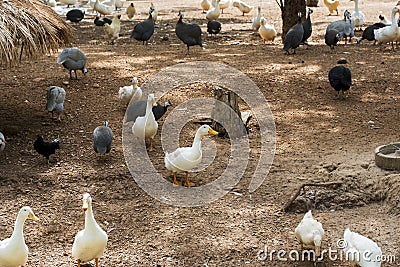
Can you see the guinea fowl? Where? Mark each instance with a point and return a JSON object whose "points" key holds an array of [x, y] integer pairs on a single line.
{"points": [[345, 26], [138, 109], [340, 79], [73, 59], [332, 38], [307, 27], [144, 30], [189, 33], [102, 139], [2, 142], [55, 100], [368, 33], [101, 22], [294, 36], [46, 148], [213, 27], [75, 15]]}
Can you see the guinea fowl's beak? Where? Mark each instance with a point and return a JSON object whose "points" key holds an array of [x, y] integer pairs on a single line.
{"points": [[85, 205], [33, 216], [211, 131]]}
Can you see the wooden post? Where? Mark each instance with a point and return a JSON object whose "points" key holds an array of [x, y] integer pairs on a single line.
{"points": [[220, 114]]}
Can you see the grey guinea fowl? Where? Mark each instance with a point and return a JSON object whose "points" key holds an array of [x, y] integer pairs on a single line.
{"points": [[102, 139], [2, 141], [138, 109], [307, 27], [332, 38], [73, 59], [213, 27], [340, 79], [345, 26], [294, 36], [75, 15], [144, 30], [55, 100], [189, 33]]}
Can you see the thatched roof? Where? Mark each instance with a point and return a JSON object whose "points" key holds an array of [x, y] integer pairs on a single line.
{"points": [[31, 26]]}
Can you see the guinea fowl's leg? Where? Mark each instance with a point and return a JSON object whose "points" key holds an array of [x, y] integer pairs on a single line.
{"points": [[70, 74], [76, 75]]}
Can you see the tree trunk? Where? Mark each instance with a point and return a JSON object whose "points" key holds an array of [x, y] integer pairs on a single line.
{"points": [[289, 9]]}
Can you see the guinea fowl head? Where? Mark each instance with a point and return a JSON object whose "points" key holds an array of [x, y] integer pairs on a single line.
{"points": [[299, 16], [180, 14], [84, 71], [310, 11]]}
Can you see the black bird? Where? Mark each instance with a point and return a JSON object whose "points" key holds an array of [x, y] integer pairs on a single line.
{"points": [[340, 79], [213, 27], [294, 36], [46, 148], [188, 33], [145, 29], [332, 38], [368, 32], [307, 27], [138, 109], [75, 15], [101, 22]]}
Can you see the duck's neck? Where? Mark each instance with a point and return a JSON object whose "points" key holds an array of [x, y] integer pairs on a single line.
{"points": [[149, 111], [394, 23], [90, 222], [356, 6], [18, 233], [197, 142]]}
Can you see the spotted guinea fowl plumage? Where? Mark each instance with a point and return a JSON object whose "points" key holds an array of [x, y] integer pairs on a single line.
{"points": [[294, 36], [102, 139], [188, 33], [73, 59], [55, 100], [340, 78], [144, 30]]}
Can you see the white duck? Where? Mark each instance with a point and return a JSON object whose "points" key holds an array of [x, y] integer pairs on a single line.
{"points": [[183, 159], [224, 4], [357, 16], [146, 127], [310, 232], [242, 6], [214, 13], [361, 250], [119, 4], [205, 5], [68, 2], [126, 93], [389, 33], [256, 22], [266, 31], [13, 250], [103, 8], [90, 242]]}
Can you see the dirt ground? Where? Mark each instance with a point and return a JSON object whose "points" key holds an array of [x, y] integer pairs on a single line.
{"points": [[320, 138]]}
